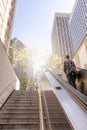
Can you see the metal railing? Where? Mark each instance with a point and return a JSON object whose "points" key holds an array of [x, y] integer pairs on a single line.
{"points": [[10, 84], [80, 96], [81, 69], [41, 111], [47, 113]]}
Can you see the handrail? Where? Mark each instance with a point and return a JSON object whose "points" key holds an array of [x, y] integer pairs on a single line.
{"points": [[50, 128], [81, 69], [6, 100], [41, 112], [7, 86], [82, 98]]}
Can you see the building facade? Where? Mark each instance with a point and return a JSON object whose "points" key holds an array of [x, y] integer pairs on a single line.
{"points": [[61, 39], [78, 29], [7, 10]]}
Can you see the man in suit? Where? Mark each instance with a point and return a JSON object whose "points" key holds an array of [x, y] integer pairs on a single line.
{"points": [[70, 69]]}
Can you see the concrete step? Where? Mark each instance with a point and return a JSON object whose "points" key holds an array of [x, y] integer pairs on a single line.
{"points": [[21, 112], [60, 126], [25, 92], [53, 109], [19, 115], [19, 126], [23, 101], [19, 129], [22, 105], [26, 96], [19, 121], [55, 115], [58, 119]]}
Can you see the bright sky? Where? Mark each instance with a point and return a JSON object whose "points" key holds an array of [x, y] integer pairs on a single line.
{"points": [[34, 20]]}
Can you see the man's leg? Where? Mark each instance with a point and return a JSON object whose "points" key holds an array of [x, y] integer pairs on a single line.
{"points": [[69, 77], [73, 78]]}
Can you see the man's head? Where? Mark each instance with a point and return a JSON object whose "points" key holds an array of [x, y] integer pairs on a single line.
{"points": [[67, 57]]}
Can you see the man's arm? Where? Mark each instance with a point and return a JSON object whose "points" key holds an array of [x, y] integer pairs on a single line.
{"points": [[64, 67], [73, 64]]}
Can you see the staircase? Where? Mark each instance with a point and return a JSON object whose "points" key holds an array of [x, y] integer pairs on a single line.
{"points": [[21, 111], [54, 116]]}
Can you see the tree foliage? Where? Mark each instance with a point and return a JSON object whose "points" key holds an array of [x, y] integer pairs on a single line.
{"points": [[55, 64], [19, 56], [20, 59], [23, 81], [32, 82]]}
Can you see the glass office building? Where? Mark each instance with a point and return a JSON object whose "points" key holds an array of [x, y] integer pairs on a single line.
{"points": [[78, 29], [78, 23]]}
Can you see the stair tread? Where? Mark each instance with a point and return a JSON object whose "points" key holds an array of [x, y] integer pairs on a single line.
{"points": [[18, 123]]}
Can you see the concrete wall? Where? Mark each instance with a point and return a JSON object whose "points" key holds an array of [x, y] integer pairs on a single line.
{"points": [[8, 78], [80, 57]]}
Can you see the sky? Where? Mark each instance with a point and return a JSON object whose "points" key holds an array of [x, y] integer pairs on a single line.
{"points": [[33, 20]]}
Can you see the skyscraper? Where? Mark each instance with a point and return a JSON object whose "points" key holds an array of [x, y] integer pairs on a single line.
{"points": [[7, 9], [61, 39], [78, 29]]}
